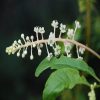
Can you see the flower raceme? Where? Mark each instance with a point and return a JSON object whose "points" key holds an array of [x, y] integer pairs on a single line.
{"points": [[20, 46]]}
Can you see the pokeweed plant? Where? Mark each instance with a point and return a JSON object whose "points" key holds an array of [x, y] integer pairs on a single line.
{"points": [[67, 69]]}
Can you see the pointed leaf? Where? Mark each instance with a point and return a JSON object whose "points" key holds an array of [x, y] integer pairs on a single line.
{"points": [[65, 78], [64, 62]]}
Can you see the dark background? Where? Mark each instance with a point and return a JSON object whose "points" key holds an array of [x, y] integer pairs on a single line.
{"points": [[17, 80]]}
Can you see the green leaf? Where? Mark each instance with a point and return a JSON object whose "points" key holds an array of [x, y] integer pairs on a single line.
{"points": [[65, 78], [64, 62]]}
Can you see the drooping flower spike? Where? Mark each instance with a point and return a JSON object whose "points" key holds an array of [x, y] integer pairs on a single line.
{"points": [[20, 47]]}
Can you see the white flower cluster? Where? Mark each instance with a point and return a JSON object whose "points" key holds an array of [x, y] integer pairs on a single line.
{"points": [[39, 29], [91, 94], [62, 28], [80, 51], [18, 45], [57, 50], [51, 39], [77, 24], [54, 24], [70, 33], [21, 47]]}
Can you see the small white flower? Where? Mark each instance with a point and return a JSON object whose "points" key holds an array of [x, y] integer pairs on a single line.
{"points": [[52, 36], [32, 37], [23, 55], [68, 47], [39, 52], [27, 38], [62, 28], [49, 56], [31, 57], [15, 42], [81, 50], [54, 24], [77, 24], [25, 51], [7, 50], [51, 39], [22, 35], [36, 29], [57, 50], [18, 54], [19, 41], [11, 50], [70, 33], [41, 30]]}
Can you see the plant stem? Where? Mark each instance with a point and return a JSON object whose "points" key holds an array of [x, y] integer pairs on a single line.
{"points": [[62, 40]]}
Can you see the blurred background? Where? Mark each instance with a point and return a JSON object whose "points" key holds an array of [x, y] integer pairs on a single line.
{"points": [[17, 79]]}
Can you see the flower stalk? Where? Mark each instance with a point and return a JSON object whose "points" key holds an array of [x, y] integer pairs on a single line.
{"points": [[60, 40]]}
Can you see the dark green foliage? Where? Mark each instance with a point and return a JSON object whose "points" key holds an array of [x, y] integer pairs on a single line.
{"points": [[65, 76]]}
